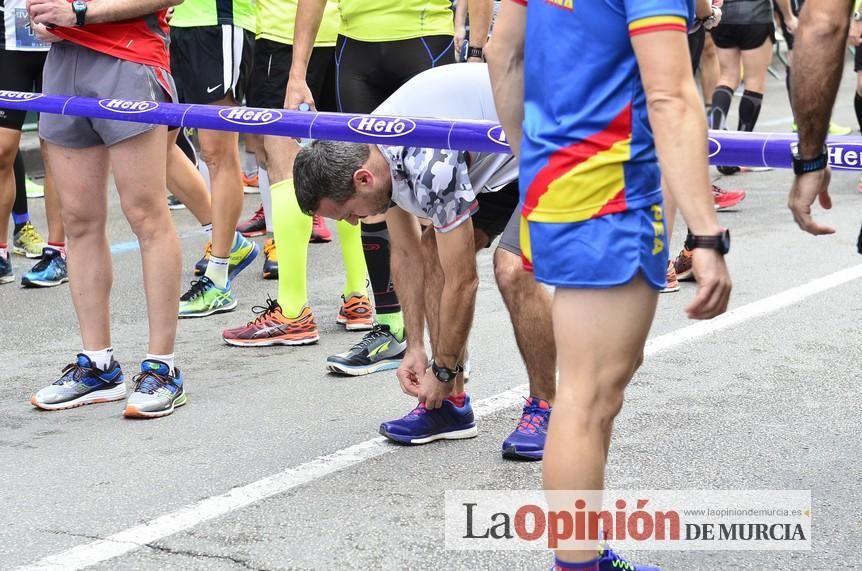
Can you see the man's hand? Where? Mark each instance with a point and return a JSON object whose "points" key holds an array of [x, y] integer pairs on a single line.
{"points": [[56, 12], [792, 22], [42, 33], [806, 188], [432, 392], [460, 37], [412, 369], [713, 285], [297, 94]]}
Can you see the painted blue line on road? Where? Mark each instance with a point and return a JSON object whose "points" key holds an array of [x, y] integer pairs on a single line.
{"points": [[133, 245]]}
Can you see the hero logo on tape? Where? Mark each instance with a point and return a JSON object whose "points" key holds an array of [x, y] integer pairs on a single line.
{"points": [[381, 126], [18, 96], [126, 106], [497, 135], [250, 116], [713, 147], [845, 156]]}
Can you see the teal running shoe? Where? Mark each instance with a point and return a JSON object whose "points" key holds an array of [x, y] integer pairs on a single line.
{"points": [[205, 298]]}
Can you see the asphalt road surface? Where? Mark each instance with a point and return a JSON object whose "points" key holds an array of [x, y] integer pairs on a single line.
{"points": [[274, 464]]}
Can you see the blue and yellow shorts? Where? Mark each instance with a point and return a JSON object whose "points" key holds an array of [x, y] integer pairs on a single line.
{"points": [[601, 252]]}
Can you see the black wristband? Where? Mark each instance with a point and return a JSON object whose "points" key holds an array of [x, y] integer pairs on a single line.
{"points": [[804, 166], [475, 52]]}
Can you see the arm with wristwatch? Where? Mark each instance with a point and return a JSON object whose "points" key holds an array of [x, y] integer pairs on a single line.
{"points": [[52, 13]]}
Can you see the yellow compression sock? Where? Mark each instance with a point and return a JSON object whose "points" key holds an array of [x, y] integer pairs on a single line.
{"points": [[350, 237], [292, 229]]}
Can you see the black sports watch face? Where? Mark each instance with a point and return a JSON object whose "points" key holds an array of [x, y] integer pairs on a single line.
{"points": [[719, 242], [80, 9], [443, 374]]}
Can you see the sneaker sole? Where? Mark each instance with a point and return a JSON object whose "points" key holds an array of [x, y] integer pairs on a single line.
{"points": [[512, 453], [319, 240], [18, 251], [7, 279], [462, 434], [30, 284], [670, 289], [342, 369], [109, 395], [250, 190], [354, 326], [132, 411], [246, 262], [176, 206], [270, 342], [222, 309], [685, 276], [252, 233]]}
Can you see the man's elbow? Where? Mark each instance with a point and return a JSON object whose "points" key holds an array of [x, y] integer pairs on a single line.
{"points": [[501, 54]]}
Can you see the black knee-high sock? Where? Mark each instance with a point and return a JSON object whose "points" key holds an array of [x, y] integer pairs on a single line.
{"points": [[20, 213], [857, 105], [722, 97], [749, 109], [375, 243]]}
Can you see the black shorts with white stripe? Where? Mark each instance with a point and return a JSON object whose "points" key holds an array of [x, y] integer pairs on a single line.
{"points": [[210, 63]]}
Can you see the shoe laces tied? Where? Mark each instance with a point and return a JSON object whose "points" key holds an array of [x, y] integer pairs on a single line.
{"points": [[258, 215], [28, 233], [198, 288], [264, 313], [532, 417], [269, 250], [419, 410], [149, 382], [369, 338], [75, 372]]}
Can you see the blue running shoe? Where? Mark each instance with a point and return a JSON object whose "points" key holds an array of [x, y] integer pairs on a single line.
{"points": [[422, 426], [527, 441], [242, 254], [82, 383], [607, 561], [157, 392], [50, 271], [6, 273]]}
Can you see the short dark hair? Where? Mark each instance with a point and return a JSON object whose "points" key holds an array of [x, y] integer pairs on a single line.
{"points": [[325, 169]]}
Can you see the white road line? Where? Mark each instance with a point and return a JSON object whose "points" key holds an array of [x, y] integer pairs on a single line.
{"points": [[128, 540]]}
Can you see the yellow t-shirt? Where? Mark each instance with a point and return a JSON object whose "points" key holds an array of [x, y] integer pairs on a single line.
{"points": [[392, 20], [194, 13], [276, 20]]}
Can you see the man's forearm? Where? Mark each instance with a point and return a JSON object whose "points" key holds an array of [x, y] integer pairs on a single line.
{"points": [[785, 8], [817, 66], [505, 54], [309, 14], [455, 319], [408, 275], [480, 12], [100, 11]]}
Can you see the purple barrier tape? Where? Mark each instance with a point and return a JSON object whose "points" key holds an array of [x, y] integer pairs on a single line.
{"points": [[725, 147]]}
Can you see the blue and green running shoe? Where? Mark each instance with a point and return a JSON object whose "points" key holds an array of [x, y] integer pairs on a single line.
{"points": [[242, 254], [50, 271], [205, 298], [82, 383], [157, 391]]}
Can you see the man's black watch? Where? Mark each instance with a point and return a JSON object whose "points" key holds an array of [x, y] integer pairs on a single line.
{"points": [[80, 9], [473, 51], [803, 166], [443, 374], [719, 242]]}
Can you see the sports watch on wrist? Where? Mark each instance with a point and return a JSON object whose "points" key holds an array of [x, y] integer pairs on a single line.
{"points": [[803, 166], [475, 52], [79, 7], [719, 242], [443, 374]]}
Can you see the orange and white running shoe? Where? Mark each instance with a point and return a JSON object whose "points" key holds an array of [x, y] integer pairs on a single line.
{"points": [[271, 327], [356, 313]]}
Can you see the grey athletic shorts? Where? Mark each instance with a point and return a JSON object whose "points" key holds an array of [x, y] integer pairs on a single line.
{"points": [[71, 69], [510, 239]]}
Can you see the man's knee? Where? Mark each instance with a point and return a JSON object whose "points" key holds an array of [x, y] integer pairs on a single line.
{"points": [[217, 147], [510, 273]]}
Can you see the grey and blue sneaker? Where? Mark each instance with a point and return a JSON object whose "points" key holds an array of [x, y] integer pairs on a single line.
{"points": [[82, 383], [6, 273], [50, 271], [157, 392], [379, 350]]}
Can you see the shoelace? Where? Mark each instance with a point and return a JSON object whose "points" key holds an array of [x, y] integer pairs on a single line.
{"points": [[149, 382], [77, 372], [532, 418], [376, 333], [43, 263], [198, 288], [420, 409], [264, 312], [258, 216], [28, 232]]}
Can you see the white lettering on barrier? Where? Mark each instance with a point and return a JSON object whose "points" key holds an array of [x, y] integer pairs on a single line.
{"points": [[381, 126], [127, 106], [247, 116], [498, 135], [18, 95], [845, 156]]}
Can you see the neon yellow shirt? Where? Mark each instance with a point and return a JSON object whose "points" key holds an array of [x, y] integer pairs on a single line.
{"points": [[195, 13], [276, 20], [392, 20]]}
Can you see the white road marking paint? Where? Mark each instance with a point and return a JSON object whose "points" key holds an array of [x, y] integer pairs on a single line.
{"points": [[205, 510]]}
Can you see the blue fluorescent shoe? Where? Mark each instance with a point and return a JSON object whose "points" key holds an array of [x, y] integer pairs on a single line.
{"points": [[50, 271], [607, 561], [422, 426], [82, 383], [157, 392], [6, 273], [527, 441]]}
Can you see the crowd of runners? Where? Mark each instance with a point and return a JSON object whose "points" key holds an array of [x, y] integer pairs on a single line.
{"points": [[586, 204]]}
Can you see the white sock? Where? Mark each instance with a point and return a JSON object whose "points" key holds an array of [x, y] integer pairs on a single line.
{"points": [[217, 271], [207, 228], [265, 197], [166, 359], [102, 358], [249, 164]]}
